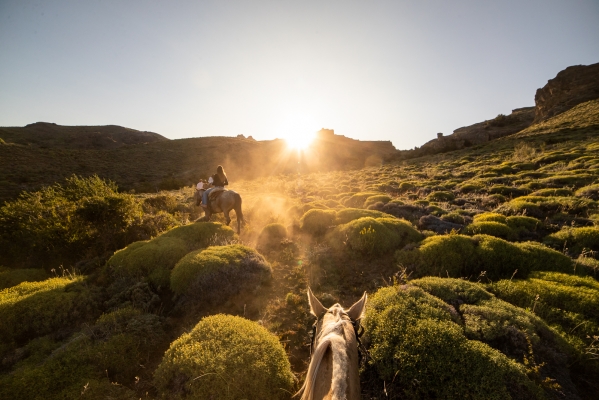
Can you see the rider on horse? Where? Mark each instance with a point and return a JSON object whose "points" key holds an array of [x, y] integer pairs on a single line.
{"points": [[218, 181]]}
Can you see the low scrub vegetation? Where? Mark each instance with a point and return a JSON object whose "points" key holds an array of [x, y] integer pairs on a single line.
{"points": [[228, 355], [218, 272]]}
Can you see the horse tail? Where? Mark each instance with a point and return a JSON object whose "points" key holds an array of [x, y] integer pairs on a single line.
{"points": [[238, 211]]}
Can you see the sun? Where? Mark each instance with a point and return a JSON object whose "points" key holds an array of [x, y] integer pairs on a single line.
{"points": [[298, 131], [299, 141]]}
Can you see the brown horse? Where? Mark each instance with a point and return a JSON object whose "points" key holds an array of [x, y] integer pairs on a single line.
{"points": [[333, 372], [224, 202]]}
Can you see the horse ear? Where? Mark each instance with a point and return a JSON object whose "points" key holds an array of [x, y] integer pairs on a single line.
{"points": [[316, 307], [356, 311]]}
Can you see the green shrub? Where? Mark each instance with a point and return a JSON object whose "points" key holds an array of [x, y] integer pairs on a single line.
{"points": [[383, 198], [271, 236], [450, 255], [590, 192], [521, 222], [201, 234], [413, 338], [492, 228], [560, 299], [553, 192], [370, 236], [33, 309], [489, 216], [576, 240], [152, 260], [516, 332], [316, 222], [357, 200], [227, 357], [440, 196], [156, 258], [349, 214], [508, 191], [61, 224], [217, 272], [470, 187], [540, 206], [454, 217], [114, 349], [406, 186], [12, 277], [569, 180], [462, 256]]}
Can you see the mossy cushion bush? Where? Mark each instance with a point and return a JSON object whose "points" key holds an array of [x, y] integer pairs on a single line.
{"points": [[155, 258], [349, 214], [33, 309], [490, 216], [12, 277], [565, 300], [373, 236], [568, 304], [219, 271], [357, 200], [492, 228], [542, 206], [414, 337], [271, 235], [463, 256], [383, 198], [316, 222], [590, 192], [577, 180], [576, 240], [553, 192], [201, 234], [225, 357], [114, 349]]}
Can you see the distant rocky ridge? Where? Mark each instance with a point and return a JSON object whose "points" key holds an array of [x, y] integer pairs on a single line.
{"points": [[572, 86], [482, 132]]}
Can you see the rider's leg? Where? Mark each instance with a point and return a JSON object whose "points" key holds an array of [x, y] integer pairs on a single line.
{"points": [[205, 197]]}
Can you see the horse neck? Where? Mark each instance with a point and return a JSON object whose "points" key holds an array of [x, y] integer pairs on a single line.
{"points": [[333, 371]]}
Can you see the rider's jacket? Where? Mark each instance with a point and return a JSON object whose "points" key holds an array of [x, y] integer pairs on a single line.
{"points": [[218, 182]]}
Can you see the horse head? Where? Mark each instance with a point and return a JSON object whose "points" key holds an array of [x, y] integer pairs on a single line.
{"points": [[333, 371]]}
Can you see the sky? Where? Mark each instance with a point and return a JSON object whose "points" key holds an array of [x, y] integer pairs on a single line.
{"points": [[371, 70]]}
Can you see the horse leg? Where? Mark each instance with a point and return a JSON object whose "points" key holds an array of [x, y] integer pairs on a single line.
{"points": [[227, 218], [238, 212]]}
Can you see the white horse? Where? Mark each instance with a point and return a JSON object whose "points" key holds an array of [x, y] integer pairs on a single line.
{"points": [[333, 372]]}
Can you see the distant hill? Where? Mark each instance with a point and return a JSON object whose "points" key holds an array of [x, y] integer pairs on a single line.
{"points": [[41, 154], [48, 135]]}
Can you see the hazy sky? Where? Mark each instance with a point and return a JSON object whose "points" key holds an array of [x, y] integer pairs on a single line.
{"points": [[380, 70]]}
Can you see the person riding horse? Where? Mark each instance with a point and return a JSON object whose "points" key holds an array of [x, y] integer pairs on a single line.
{"points": [[218, 181]]}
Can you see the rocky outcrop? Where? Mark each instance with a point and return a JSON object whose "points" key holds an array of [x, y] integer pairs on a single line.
{"points": [[570, 87], [482, 132]]}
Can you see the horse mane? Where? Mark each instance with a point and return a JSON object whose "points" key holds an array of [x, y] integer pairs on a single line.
{"points": [[333, 337]]}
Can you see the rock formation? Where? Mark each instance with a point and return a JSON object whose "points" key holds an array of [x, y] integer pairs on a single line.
{"points": [[570, 87], [481, 132]]}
